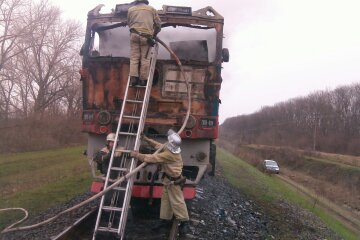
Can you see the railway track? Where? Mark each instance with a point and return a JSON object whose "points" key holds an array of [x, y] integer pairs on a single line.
{"points": [[214, 215], [80, 229], [219, 211], [138, 227]]}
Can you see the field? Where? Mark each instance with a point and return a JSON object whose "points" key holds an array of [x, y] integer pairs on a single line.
{"points": [[335, 177], [268, 191], [40, 180], [332, 180]]}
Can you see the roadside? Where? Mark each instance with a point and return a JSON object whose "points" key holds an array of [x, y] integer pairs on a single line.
{"points": [[347, 218], [291, 215]]}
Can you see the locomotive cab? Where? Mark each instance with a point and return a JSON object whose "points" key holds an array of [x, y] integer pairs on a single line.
{"points": [[196, 38]]}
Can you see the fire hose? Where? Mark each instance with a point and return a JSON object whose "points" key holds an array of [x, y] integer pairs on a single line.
{"points": [[12, 227]]}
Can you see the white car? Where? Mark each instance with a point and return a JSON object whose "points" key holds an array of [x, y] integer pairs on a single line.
{"points": [[271, 166]]}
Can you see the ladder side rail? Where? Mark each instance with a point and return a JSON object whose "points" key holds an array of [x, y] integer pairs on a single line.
{"points": [[128, 140], [127, 198], [138, 140], [117, 134], [148, 89], [111, 160]]}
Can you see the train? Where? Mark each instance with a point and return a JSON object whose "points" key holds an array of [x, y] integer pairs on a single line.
{"points": [[196, 37]]}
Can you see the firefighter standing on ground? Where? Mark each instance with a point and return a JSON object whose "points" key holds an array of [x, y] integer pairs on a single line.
{"points": [[172, 200], [144, 23]]}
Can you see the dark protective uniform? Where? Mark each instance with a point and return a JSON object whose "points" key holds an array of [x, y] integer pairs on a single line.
{"points": [[102, 158]]}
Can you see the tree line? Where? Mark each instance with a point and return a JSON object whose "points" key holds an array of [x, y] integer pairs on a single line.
{"points": [[40, 93], [326, 121]]}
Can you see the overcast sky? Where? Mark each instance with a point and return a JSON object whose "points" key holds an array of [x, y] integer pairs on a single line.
{"points": [[279, 49]]}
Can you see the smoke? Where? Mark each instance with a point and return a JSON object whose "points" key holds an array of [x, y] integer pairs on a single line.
{"points": [[171, 34], [116, 42]]}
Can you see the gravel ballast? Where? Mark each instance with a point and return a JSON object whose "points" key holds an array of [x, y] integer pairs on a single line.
{"points": [[219, 211]]}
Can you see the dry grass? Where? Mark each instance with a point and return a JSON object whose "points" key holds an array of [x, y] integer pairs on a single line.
{"points": [[336, 178], [344, 159], [270, 192], [345, 200]]}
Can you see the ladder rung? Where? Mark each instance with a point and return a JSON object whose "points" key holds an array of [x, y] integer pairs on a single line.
{"points": [[119, 188], [122, 205], [105, 229], [127, 133], [108, 208], [123, 151], [119, 169], [131, 117], [114, 180], [134, 101]]}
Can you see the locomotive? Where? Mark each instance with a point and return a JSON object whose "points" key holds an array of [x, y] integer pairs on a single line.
{"points": [[196, 38]]}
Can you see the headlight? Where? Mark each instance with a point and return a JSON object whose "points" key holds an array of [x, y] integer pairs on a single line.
{"points": [[200, 156], [104, 117], [191, 122]]}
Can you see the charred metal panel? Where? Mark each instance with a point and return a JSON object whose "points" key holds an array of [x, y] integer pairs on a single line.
{"points": [[106, 83], [106, 71], [122, 9], [174, 84]]}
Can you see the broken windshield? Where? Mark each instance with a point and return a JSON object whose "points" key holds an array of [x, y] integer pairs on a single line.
{"points": [[188, 43]]}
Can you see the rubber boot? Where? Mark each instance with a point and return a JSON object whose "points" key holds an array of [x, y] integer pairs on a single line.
{"points": [[134, 81], [184, 228], [161, 224], [142, 83]]}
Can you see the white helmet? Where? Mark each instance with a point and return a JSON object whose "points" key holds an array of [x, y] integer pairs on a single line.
{"points": [[174, 141], [111, 137]]}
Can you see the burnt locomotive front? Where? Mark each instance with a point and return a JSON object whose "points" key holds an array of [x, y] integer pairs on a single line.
{"points": [[196, 38]]}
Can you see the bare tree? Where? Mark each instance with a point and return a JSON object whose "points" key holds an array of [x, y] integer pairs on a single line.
{"points": [[72, 95], [46, 59], [39, 79], [13, 28], [325, 121], [6, 95]]}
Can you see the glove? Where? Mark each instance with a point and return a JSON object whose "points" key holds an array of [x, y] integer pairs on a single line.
{"points": [[151, 42], [134, 154], [144, 137]]}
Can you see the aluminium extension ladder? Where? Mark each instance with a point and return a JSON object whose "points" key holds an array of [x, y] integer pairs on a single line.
{"points": [[114, 205]]}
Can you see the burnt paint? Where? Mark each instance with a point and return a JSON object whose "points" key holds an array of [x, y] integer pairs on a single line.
{"points": [[105, 85], [102, 90], [107, 81]]}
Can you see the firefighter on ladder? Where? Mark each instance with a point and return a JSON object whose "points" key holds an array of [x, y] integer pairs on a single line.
{"points": [[172, 199], [144, 23], [102, 157]]}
